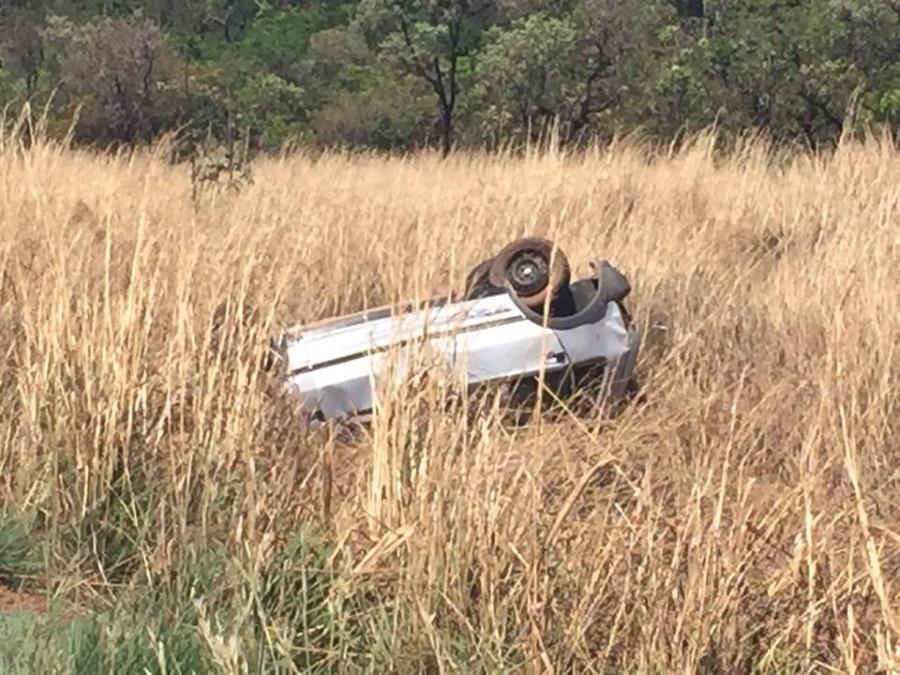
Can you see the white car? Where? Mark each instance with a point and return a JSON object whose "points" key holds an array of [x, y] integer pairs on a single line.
{"points": [[520, 319]]}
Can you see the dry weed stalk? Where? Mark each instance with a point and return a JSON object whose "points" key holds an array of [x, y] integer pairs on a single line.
{"points": [[746, 515]]}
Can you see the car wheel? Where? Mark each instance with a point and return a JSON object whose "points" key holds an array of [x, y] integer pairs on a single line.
{"points": [[532, 270], [478, 283]]}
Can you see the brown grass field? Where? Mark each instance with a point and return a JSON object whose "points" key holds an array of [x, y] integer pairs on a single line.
{"points": [[742, 516]]}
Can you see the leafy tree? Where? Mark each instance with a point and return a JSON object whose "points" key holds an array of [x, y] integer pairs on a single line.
{"points": [[261, 74], [338, 60], [122, 71], [619, 49], [568, 69], [272, 109], [430, 39], [278, 40], [255, 81], [21, 46], [776, 65], [367, 114], [872, 40], [526, 72], [354, 97], [231, 16]]}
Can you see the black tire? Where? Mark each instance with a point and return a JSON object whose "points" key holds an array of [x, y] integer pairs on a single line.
{"points": [[525, 266], [478, 283]]}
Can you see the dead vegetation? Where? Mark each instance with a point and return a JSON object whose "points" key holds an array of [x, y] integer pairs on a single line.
{"points": [[742, 517]]}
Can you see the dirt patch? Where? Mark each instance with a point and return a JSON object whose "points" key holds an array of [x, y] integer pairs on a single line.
{"points": [[12, 602]]}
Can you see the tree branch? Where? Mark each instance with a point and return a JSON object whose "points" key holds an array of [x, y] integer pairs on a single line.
{"points": [[418, 66]]}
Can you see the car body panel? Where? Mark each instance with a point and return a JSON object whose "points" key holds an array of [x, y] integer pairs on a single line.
{"points": [[334, 367]]}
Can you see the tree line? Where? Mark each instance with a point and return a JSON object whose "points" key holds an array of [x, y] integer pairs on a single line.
{"points": [[403, 74]]}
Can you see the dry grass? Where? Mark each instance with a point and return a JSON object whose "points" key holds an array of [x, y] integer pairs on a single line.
{"points": [[744, 516]]}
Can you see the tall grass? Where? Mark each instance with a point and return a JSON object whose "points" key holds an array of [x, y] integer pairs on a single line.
{"points": [[743, 516]]}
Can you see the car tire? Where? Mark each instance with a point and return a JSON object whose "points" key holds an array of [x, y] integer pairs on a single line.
{"points": [[531, 269], [478, 283]]}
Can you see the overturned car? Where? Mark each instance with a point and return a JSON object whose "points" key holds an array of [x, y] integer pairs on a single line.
{"points": [[521, 320]]}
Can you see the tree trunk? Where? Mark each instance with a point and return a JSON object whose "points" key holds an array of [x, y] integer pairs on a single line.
{"points": [[446, 131]]}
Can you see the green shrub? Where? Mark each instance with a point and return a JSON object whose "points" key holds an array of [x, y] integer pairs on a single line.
{"points": [[18, 557]]}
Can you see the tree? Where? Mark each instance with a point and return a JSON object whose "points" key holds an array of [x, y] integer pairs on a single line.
{"points": [[430, 39], [567, 69], [354, 96], [618, 47], [689, 8], [872, 44], [21, 46], [277, 40], [231, 16], [527, 74], [122, 71], [774, 65]]}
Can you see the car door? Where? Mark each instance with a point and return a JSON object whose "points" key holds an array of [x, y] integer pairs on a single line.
{"points": [[505, 346]]}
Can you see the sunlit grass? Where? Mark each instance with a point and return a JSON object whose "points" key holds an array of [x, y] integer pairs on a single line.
{"points": [[743, 515]]}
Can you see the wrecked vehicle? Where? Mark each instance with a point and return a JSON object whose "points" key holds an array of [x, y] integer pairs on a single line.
{"points": [[521, 320]]}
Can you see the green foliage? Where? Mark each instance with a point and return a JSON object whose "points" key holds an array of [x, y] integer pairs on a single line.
{"points": [[427, 39], [525, 72], [280, 613], [126, 640], [12, 89], [20, 45], [886, 106], [367, 114], [272, 108], [765, 65], [396, 74], [277, 40], [18, 559], [338, 60]]}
